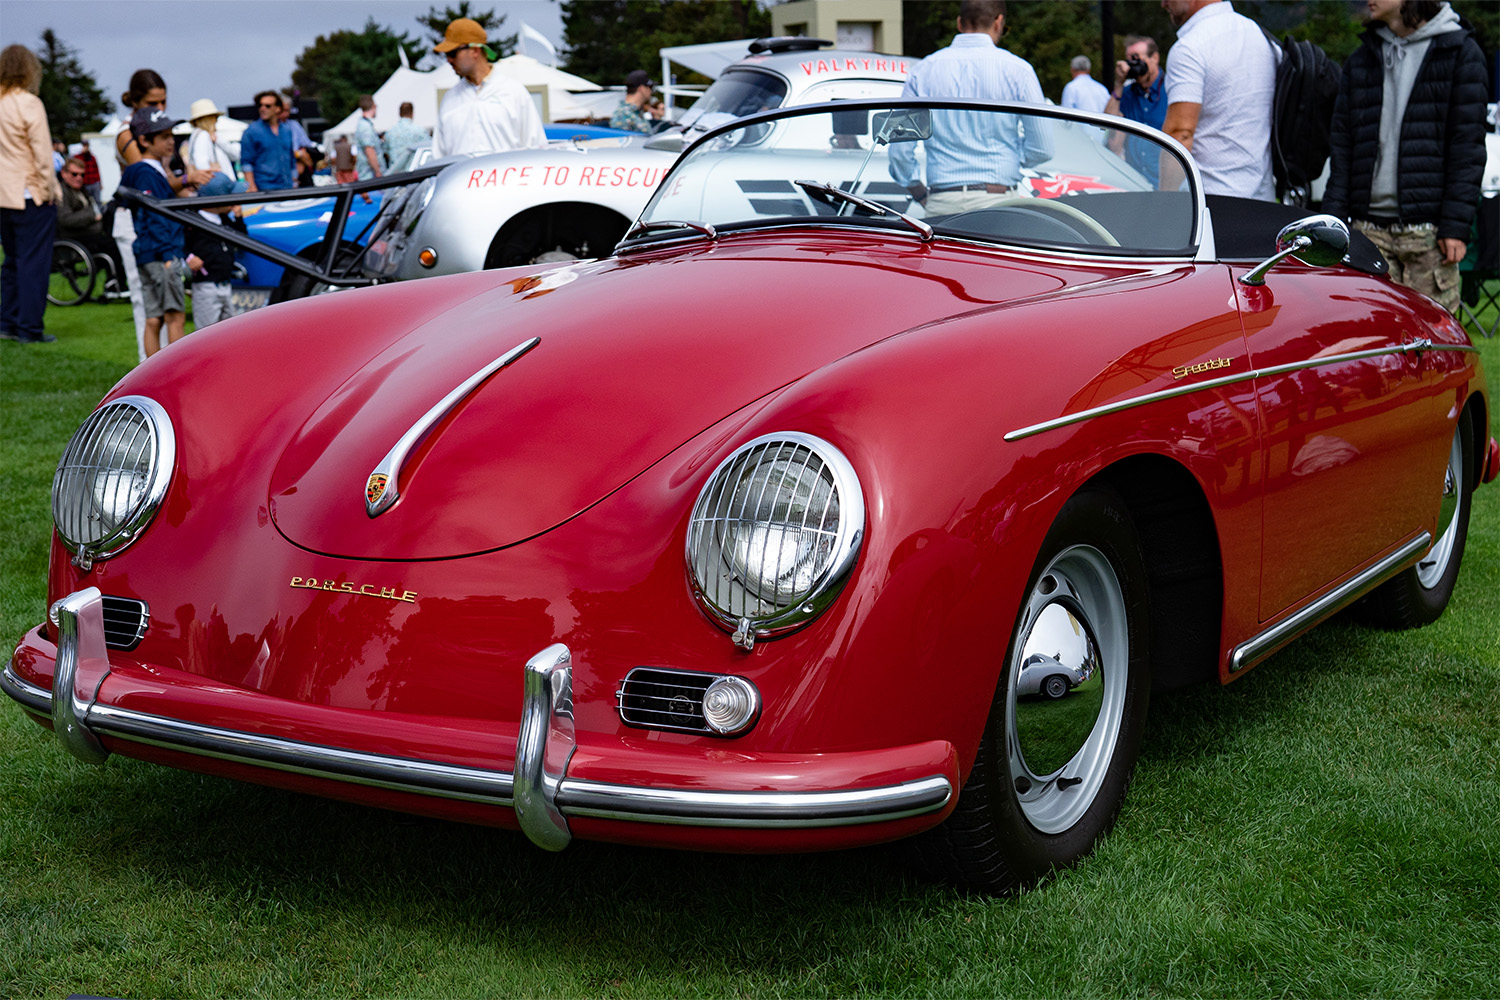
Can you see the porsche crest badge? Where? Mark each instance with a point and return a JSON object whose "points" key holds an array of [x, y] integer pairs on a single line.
{"points": [[375, 489]]}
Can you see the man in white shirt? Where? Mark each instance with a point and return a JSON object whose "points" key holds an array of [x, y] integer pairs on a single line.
{"points": [[485, 112], [1083, 91], [1221, 78]]}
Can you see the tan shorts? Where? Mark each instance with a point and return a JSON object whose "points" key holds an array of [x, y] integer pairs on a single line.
{"points": [[161, 287]]}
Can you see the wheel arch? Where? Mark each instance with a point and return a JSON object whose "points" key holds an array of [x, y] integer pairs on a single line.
{"points": [[1184, 566], [601, 219], [1476, 411]]}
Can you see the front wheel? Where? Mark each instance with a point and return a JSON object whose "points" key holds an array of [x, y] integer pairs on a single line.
{"points": [[1418, 596], [1051, 773]]}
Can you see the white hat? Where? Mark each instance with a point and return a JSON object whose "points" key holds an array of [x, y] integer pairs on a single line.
{"points": [[203, 107]]}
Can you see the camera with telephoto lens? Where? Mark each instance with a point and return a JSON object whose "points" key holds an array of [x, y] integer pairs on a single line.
{"points": [[1138, 67]]}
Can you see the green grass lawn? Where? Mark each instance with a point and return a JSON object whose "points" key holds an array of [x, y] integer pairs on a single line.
{"points": [[1328, 826]]}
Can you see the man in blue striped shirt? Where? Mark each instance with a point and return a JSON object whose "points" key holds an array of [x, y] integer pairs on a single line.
{"points": [[974, 159]]}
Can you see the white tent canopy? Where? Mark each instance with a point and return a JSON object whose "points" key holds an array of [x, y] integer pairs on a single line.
{"points": [[425, 90], [709, 59]]}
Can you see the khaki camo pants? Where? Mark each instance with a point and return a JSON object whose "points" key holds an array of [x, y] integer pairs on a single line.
{"points": [[1415, 259]]}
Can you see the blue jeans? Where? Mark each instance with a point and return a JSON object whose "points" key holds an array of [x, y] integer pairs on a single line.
{"points": [[26, 235], [221, 184]]}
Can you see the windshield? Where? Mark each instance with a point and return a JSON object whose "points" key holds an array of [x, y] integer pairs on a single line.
{"points": [[1011, 174], [739, 92]]}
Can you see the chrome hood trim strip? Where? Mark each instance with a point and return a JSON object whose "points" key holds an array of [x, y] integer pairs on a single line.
{"points": [[381, 487]]}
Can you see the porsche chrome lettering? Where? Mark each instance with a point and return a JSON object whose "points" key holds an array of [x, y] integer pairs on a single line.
{"points": [[1182, 371], [346, 587]]}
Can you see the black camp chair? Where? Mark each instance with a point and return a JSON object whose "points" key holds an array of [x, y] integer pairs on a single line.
{"points": [[1480, 271]]}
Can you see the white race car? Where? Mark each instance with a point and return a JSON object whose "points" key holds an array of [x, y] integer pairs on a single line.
{"points": [[576, 198]]}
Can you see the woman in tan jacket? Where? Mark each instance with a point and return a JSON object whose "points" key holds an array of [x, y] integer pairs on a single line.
{"points": [[28, 198]]}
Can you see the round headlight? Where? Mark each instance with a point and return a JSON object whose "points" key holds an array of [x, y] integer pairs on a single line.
{"points": [[775, 532], [113, 477]]}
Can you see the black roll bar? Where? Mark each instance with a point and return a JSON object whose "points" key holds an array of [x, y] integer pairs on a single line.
{"points": [[185, 211]]}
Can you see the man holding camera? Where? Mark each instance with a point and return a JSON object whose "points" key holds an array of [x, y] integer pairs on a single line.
{"points": [[1139, 96]]}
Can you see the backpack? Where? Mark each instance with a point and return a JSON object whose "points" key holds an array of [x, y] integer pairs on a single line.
{"points": [[1307, 87], [343, 154]]}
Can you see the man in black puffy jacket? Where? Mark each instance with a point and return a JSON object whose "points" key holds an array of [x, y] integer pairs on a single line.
{"points": [[1408, 141]]}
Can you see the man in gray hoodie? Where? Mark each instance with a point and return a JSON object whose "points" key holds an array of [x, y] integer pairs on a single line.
{"points": [[1408, 141]]}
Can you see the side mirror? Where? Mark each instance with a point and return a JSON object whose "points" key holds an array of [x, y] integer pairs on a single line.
{"points": [[1319, 240]]}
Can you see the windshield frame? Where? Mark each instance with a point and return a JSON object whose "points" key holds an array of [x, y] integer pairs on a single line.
{"points": [[1200, 235]]}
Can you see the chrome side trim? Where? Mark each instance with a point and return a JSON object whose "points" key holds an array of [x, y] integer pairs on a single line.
{"points": [[755, 810], [1415, 346], [1258, 648], [545, 746], [379, 498], [82, 665]]}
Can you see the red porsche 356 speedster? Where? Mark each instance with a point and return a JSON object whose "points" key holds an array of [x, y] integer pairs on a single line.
{"points": [[864, 492]]}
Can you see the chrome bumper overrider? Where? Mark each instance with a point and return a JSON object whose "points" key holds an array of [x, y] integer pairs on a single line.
{"points": [[543, 797]]}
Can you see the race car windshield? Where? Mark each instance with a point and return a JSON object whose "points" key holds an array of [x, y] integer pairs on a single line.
{"points": [[739, 92], [1009, 174]]}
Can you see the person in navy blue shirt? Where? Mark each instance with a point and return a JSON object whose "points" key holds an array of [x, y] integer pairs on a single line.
{"points": [[267, 153], [158, 240], [1141, 98]]}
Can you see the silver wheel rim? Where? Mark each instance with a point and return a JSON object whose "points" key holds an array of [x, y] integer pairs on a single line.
{"points": [[1060, 749], [1434, 565]]}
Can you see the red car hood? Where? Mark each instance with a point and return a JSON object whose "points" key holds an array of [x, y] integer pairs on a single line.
{"points": [[633, 361]]}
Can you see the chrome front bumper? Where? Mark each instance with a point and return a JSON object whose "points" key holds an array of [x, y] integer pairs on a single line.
{"points": [[543, 797]]}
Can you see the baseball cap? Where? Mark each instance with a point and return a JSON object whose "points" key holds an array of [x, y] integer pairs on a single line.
{"points": [[149, 121], [462, 31], [639, 78]]}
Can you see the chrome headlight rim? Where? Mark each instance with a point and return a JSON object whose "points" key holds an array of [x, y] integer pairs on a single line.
{"points": [[162, 449], [728, 610]]}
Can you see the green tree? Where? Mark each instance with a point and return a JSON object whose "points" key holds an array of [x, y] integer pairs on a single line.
{"points": [[338, 67], [436, 22], [606, 39], [72, 97], [927, 25]]}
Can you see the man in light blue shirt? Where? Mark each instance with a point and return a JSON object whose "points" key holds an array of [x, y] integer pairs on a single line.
{"points": [[974, 158], [403, 138], [369, 154], [1083, 91]]}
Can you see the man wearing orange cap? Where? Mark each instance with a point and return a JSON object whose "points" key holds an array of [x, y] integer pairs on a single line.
{"points": [[485, 112]]}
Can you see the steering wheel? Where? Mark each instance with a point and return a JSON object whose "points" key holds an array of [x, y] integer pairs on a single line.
{"points": [[1077, 222]]}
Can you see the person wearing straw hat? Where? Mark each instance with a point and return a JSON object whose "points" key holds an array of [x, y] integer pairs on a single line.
{"points": [[204, 151], [485, 112]]}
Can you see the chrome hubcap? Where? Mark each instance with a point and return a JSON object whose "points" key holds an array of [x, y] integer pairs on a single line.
{"points": [[1060, 744], [1435, 563]]}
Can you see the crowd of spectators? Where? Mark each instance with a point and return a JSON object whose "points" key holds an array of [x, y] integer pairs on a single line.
{"points": [[1408, 146], [1407, 130]]}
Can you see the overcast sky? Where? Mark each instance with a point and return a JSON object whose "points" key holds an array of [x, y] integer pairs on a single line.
{"points": [[223, 49]]}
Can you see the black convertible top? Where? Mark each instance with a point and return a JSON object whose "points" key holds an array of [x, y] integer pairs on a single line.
{"points": [[1245, 229]]}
